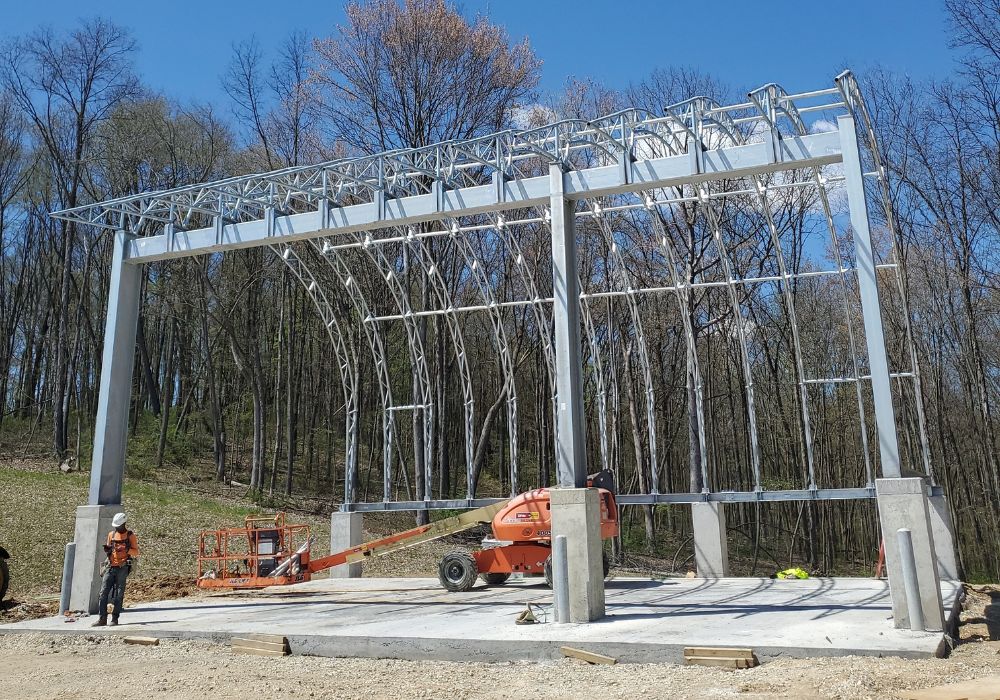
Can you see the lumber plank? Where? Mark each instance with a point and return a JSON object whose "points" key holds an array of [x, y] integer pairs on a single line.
{"points": [[733, 662], [256, 637], [259, 652], [257, 644], [719, 651], [979, 689], [145, 641], [588, 656]]}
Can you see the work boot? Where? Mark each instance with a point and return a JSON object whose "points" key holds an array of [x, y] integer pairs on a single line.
{"points": [[114, 621], [101, 622]]}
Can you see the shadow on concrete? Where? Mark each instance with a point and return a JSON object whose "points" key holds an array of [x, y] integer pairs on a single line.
{"points": [[696, 610]]}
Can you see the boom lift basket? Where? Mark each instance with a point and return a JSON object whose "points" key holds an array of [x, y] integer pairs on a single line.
{"points": [[247, 557]]}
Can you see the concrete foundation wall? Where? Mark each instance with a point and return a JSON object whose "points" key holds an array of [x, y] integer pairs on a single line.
{"points": [[346, 530], [576, 513], [711, 549], [944, 538], [93, 523], [904, 503]]}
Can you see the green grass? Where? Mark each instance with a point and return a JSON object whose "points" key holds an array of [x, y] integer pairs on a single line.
{"points": [[37, 518]]}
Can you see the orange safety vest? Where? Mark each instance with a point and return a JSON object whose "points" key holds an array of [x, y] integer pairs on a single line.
{"points": [[123, 546]]}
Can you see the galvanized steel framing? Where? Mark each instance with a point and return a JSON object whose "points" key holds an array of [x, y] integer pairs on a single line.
{"points": [[385, 207]]}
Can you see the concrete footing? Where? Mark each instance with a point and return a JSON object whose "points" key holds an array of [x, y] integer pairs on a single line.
{"points": [[942, 529], [346, 531], [576, 513], [711, 550], [93, 523], [904, 503]]}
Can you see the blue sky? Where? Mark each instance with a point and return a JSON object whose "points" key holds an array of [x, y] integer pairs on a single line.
{"points": [[185, 45]]}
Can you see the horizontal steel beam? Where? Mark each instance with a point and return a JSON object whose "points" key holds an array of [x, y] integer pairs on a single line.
{"points": [[809, 151], [640, 499]]}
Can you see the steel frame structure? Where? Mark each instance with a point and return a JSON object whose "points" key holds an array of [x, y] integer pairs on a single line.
{"points": [[560, 177]]}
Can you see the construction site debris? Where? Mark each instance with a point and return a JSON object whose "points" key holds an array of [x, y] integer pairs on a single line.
{"points": [[720, 657], [261, 645], [144, 641], [588, 656]]}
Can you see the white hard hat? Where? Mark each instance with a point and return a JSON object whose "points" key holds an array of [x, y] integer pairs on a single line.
{"points": [[118, 520]]}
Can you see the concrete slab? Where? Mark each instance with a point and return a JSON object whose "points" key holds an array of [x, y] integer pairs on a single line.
{"points": [[646, 620]]}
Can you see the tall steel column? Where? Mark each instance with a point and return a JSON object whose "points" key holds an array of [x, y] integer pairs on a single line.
{"points": [[571, 450], [885, 415], [111, 425]]}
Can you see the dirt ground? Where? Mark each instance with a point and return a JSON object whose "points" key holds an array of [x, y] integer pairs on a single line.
{"points": [[36, 666], [84, 666]]}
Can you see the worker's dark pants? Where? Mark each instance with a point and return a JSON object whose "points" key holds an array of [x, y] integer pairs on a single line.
{"points": [[113, 585]]}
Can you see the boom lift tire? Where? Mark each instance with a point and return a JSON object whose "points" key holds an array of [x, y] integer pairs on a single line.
{"points": [[494, 579], [458, 572], [4, 577]]}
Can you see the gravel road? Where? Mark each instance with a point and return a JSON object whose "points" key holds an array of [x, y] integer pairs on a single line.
{"points": [[77, 666]]}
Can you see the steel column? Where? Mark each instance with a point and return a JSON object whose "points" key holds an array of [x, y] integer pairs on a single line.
{"points": [[571, 449], [114, 399], [885, 415]]}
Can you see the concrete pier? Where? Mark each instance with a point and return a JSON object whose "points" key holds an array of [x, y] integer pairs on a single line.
{"points": [[711, 549], [93, 523], [903, 503], [576, 513], [346, 530]]}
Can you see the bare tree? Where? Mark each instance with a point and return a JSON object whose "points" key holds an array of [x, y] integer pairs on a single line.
{"points": [[66, 86]]}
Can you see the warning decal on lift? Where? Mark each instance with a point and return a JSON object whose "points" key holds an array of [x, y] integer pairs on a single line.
{"points": [[521, 517]]}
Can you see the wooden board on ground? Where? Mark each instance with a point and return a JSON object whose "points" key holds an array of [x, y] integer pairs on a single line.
{"points": [[588, 656], [737, 652], [261, 645], [720, 657], [978, 689], [258, 652], [254, 637], [146, 641]]}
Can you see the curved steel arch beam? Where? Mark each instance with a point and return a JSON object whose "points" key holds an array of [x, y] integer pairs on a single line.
{"points": [[418, 357], [713, 220], [545, 332], [346, 362], [683, 295], [601, 389], [377, 347], [769, 102], [514, 250], [458, 340], [621, 271], [507, 365], [693, 109]]}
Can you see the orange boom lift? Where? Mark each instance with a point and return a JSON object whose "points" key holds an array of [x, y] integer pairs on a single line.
{"points": [[268, 551]]}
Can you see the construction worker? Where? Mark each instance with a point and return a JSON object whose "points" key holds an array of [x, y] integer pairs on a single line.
{"points": [[122, 548]]}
